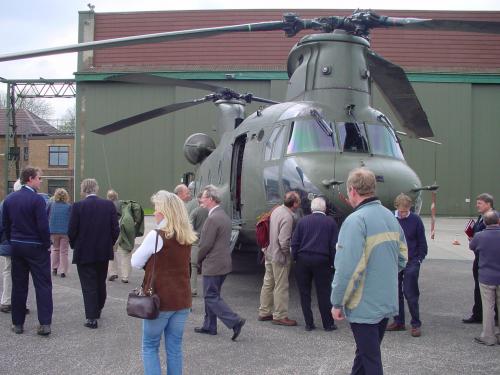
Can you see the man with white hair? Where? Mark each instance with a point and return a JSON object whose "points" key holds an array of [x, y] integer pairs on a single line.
{"points": [[92, 231], [313, 250]]}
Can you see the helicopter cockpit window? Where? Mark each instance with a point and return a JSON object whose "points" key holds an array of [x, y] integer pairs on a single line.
{"points": [[274, 144], [383, 141], [307, 136], [352, 137]]}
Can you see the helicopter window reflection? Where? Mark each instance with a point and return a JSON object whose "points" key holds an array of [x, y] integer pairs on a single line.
{"points": [[352, 137], [271, 183], [383, 141], [307, 136], [274, 144]]}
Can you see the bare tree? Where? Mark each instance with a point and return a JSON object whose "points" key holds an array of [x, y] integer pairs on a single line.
{"points": [[40, 107], [68, 124]]}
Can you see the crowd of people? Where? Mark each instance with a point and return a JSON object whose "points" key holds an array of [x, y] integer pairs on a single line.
{"points": [[362, 272]]}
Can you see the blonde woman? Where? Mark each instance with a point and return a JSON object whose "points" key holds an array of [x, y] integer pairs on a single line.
{"points": [[174, 236], [59, 211]]}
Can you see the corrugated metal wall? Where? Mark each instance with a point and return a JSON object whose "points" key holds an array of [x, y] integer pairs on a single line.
{"points": [[147, 157], [465, 118]]}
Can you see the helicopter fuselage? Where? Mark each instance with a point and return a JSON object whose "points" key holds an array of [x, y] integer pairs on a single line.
{"points": [[310, 143]]}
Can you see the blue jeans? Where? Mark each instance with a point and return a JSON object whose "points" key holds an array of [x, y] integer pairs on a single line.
{"points": [[171, 324]]}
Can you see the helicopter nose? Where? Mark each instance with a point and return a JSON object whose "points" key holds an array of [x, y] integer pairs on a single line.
{"points": [[393, 178]]}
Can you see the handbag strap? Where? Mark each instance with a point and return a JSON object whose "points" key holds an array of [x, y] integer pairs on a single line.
{"points": [[152, 279]]}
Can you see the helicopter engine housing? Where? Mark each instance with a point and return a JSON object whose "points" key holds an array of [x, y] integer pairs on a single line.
{"points": [[197, 147]]}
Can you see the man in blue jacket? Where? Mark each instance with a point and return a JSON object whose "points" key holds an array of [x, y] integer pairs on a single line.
{"points": [[408, 278], [371, 250], [484, 203], [26, 226], [486, 245]]}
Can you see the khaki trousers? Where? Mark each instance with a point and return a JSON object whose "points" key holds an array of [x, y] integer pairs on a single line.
{"points": [[274, 292], [490, 294], [122, 259]]}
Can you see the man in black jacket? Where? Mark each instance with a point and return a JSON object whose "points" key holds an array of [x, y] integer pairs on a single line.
{"points": [[93, 230], [26, 227]]}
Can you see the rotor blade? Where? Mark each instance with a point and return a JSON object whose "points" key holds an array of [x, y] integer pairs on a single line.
{"points": [[251, 98], [157, 80], [149, 38], [129, 121], [400, 95], [484, 27]]}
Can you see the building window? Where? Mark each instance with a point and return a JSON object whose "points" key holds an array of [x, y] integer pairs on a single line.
{"points": [[58, 155], [26, 153], [52, 185], [11, 186], [14, 153]]}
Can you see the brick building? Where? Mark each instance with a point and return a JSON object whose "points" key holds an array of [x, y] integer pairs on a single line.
{"points": [[38, 144]]}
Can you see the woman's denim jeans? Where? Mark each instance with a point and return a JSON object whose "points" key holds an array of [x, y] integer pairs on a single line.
{"points": [[171, 324]]}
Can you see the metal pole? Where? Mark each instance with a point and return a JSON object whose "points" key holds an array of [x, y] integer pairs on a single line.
{"points": [[7, 138]]}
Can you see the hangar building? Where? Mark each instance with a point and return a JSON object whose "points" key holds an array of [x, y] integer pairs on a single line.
{"points": [[456, 76]]}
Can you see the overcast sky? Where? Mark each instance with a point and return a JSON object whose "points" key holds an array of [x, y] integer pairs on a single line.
{"points": [[35, 24]]}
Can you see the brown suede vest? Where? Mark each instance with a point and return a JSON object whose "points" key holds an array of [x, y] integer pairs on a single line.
{"points": [[171, 275]]}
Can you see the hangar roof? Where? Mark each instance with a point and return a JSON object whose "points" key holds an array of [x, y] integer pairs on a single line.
{"points": [[415, 51]]}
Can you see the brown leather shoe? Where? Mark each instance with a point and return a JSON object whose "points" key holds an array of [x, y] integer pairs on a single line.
{"points": [[395, 327], [416, 332], [264, 318], [285, 322]]}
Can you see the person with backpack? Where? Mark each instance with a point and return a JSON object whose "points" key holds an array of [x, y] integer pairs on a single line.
{"points": [[131, 226], [274, 292]]}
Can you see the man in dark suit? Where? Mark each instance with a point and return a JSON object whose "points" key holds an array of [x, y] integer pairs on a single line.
{"points": [[93, 229], [484, 203], [313, 251], [26, 227], [215, 259]]}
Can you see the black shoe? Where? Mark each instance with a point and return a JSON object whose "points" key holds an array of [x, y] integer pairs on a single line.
{"points": [[43, 330], [237, 329], [125, 281], [91, 323], [6, 309], [27, 311], [54, 271], [311, 327], [472, 320], [205, 331], [333, 327], [63, 275], [99, 314], [18, 329], [112, 277]]}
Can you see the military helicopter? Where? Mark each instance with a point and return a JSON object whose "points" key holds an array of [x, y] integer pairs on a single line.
{"points": [[325, 128]]}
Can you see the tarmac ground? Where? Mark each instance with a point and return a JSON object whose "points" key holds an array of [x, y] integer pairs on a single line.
{"points": [[446, 346]]}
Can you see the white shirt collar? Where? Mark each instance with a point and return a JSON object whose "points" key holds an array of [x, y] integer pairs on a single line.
{"points": [[29, 187], [319, 212]]}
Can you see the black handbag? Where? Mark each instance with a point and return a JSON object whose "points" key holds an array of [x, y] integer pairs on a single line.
{"points": [[143, 302]]}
